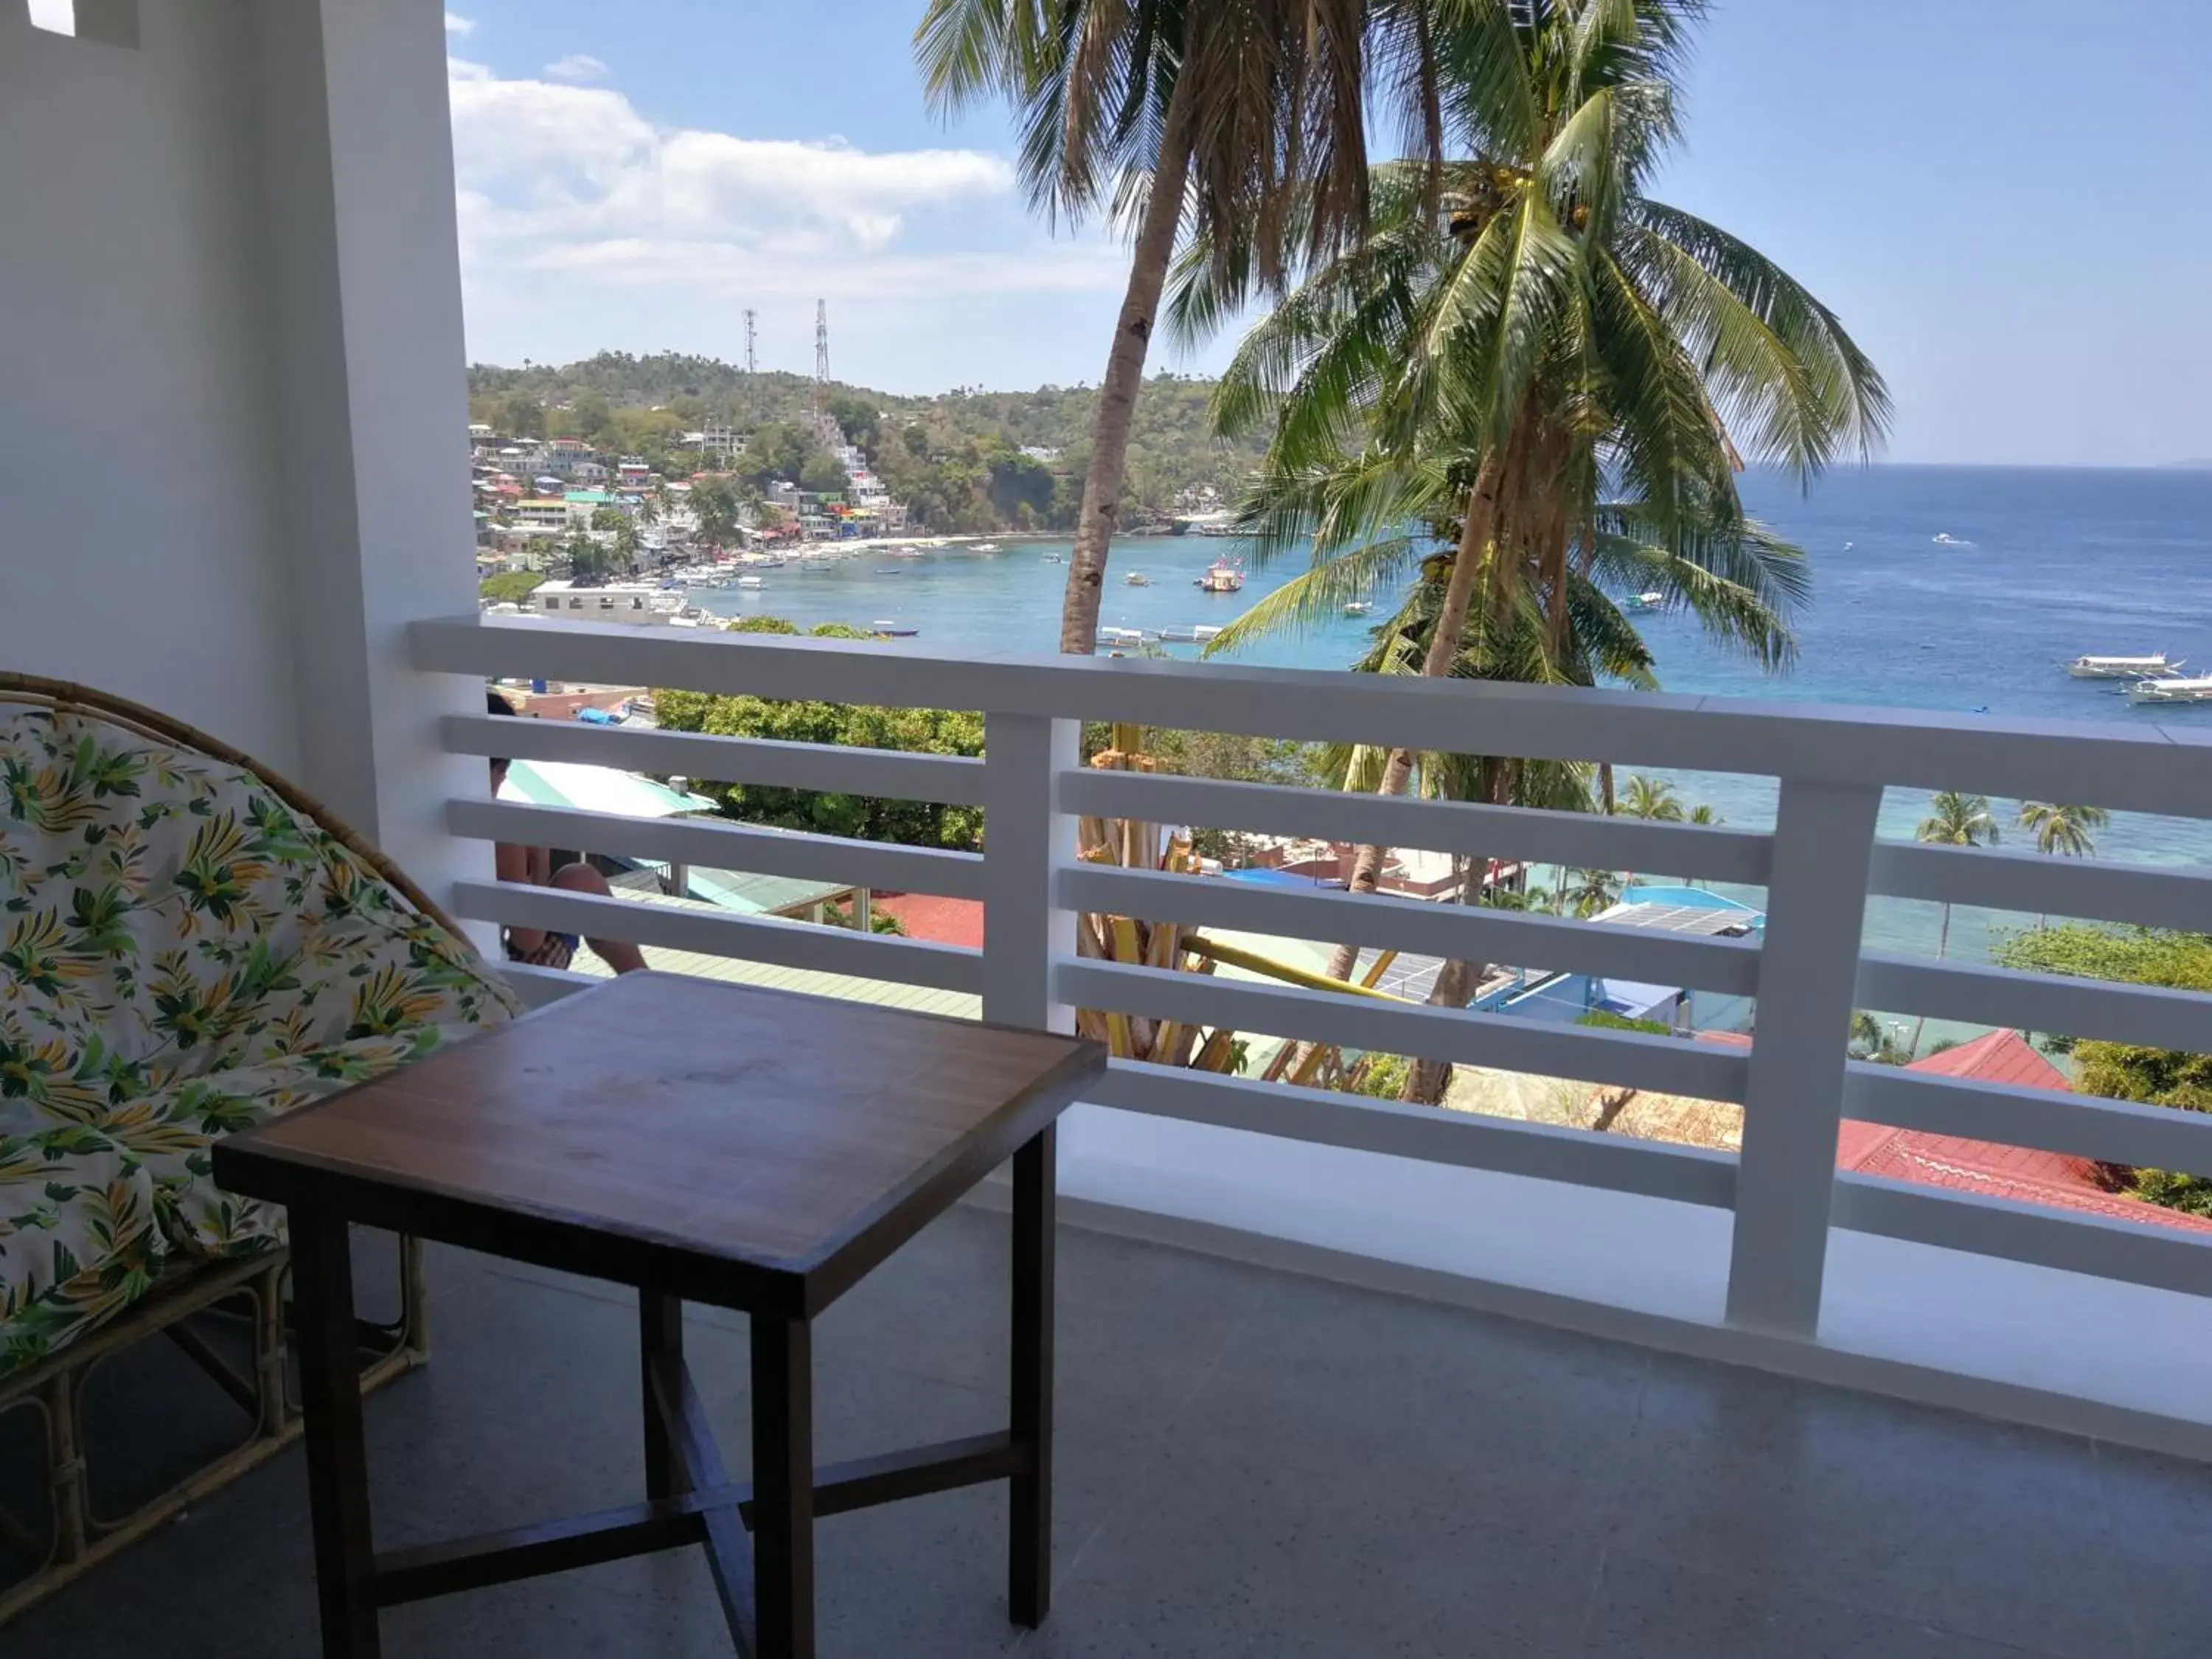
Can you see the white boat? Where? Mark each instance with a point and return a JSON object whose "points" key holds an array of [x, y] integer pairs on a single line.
{"points": [[1357, 607], [987, 547], [2184, 689], [751, 581], [1649, 600], [1123, 635], [1203, 632], [1222, 577], [1945, 538], [891, 630], [2155, 667], [1138, 579]]}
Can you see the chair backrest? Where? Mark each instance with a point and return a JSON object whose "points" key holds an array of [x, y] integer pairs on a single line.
{"points": [[168, 909]]}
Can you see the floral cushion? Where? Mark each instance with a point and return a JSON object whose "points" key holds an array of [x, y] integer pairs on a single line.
{"points": [[182, 955]]}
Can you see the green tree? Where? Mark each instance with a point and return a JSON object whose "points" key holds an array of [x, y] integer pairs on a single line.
{"points": [[715, 510], [1588, 892], [1546, 369], [1247, 121], [1953, 820], [2119, 1071], [2066, 831], [1653, 798], [865, 817], [509, 587], [520, 416]]}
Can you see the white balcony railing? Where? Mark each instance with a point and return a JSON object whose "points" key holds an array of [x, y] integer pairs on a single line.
{"points": [[1819, 864]]}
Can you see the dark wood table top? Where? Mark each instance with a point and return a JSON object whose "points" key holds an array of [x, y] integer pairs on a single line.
{"points": [[733, 1145]]}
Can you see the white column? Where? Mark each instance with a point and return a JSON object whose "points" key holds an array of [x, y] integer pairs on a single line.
{"points": [[1794, 1093], [1026, 839], [367, 362]]}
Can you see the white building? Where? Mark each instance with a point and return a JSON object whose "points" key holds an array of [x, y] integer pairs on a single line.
{"points": [[638, 604]]}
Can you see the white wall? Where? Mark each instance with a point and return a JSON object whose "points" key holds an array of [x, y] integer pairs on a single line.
{"points": [[140, 544], [232, 386]]}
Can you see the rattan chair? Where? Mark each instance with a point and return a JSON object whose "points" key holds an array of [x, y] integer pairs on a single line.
{"points": [[188, 942]]}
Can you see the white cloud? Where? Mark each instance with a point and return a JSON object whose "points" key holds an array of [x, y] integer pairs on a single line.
{"points": [[456, 24], [584, 225], [577, 66]]}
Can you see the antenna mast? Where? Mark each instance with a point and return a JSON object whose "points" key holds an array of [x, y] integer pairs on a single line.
{"points": [[821, 358], [752, 367]]}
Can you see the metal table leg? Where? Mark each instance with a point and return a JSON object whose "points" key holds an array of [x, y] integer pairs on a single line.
{"points": [[337, 1468], [1029, 1596], [783, 1485]]}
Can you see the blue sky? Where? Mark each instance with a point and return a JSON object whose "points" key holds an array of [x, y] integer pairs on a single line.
{"points": [[2007, 201]]}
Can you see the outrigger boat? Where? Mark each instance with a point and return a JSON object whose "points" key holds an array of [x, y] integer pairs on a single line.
{"points": [[2158, 667]]}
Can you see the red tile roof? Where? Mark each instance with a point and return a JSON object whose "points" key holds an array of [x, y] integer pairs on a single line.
{"points": [[2021, 1172], [941, 921]]}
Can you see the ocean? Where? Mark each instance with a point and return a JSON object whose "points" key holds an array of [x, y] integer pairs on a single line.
{"points": [[2056, 562]]}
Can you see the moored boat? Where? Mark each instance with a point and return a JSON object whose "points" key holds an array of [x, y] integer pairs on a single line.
{"points": [[2183, 690], [1222, 577], [2156, 666]]}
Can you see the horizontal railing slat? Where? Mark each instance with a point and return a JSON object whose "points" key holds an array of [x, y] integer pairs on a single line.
{"points": [[1584, 840], [2135, 1253], [1686, 1174], [753, 938], [950, 780], [2079, 1125], [715, 845], [1727, 965], [2146, 1014], [1623, 1059], [2142, 768], [2034, 883]]}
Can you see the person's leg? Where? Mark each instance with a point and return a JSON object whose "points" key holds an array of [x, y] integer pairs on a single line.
{"points": [[623, 958]]}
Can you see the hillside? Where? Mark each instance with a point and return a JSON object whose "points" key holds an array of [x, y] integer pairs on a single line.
{"points": [[954, 459]]}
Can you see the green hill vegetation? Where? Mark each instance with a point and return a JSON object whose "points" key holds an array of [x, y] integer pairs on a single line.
{"points": [[955, 460]]}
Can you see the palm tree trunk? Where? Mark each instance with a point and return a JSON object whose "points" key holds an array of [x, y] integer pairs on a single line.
{"points": [[1443, 648], [1943, 948], [1125, 376]]}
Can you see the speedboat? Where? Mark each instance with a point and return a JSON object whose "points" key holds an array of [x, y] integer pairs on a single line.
{"points": [[1649, 600], [2197, 689], [1123, 635], [891, 630], [1357, 607], [987, 547], [1945, 538], [751, 581], [1138, 579], [2158, 666]]}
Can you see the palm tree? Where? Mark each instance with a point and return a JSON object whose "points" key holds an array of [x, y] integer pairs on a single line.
{"points": [[1653, 798], [2066, 831], [1245, 121], [1541, 368], [1590, 892], [1703, 813], [1953, 820], [2063, 830]]}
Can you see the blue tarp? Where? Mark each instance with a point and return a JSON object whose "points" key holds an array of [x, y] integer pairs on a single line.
{"points": [[599, 717]]}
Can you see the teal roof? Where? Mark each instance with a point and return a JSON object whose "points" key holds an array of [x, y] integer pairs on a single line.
{"points": [[593, 498], [756, 894]]}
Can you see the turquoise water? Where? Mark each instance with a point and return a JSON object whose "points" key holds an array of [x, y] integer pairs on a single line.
{"points": [[2063, 561]]}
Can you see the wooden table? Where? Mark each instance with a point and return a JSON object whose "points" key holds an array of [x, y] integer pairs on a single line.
{"points": [[713, 1143]]}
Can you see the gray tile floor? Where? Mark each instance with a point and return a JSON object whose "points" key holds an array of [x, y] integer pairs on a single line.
{"points": [[1252, 1464]]}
